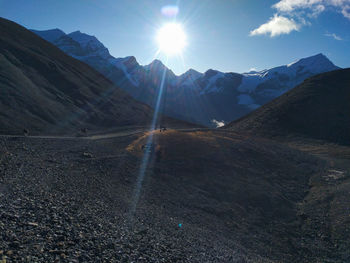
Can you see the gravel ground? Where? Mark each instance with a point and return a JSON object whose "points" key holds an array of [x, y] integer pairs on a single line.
{"points": [[69, 200]]}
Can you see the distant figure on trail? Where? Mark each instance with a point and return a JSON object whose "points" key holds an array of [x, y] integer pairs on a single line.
{"points": [[162, 128], [25, 132]]}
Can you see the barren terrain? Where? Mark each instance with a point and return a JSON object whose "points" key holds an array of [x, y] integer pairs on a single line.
{"points": [[237, 198]]}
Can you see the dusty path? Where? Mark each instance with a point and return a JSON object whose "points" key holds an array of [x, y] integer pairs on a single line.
{"points": [[99, 136], [89, 137]]}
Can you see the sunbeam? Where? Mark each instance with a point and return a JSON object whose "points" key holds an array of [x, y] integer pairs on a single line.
{"points": [[146, 153]]}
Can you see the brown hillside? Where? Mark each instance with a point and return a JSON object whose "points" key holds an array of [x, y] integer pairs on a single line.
{"points": [[44, 90], [319, 108]]}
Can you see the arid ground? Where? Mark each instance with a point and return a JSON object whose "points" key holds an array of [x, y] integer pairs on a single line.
{"points": [[206, 196]]}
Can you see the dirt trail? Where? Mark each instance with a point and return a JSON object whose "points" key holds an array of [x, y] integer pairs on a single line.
{"points": [[97, 136]]}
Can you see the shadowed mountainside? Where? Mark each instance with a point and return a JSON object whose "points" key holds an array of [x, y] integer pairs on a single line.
{"points": [[318, 109], [205, 98], [44, 90]]}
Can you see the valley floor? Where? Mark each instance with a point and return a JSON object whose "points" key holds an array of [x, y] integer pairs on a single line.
{"points": [[206, 196]]}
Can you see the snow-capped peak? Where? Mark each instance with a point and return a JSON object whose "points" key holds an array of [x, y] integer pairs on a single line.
{"points": [[86, 40], [191, 73], [317, 64], [130, 62], [189, 77], [90, 44], [127, 64], [291, 74], [155, 66], [211, 77], [155, 63]]}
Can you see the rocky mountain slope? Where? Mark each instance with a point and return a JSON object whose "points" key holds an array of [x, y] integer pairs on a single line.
{"points": [[44, 90], [318, 108], [198, 97]]}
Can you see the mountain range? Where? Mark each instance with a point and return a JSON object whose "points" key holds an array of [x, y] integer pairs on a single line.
{"points": [[43, 90], [317, 109], [212, 98]]}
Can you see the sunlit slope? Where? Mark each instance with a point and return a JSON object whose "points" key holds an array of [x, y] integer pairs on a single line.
{"points": [[44, 90], [319, 108]]}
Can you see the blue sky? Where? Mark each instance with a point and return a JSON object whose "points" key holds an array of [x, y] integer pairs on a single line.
{"points": [[227, 35]]}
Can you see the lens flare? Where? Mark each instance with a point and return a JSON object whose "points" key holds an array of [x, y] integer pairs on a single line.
{"points": [[170, 10]]}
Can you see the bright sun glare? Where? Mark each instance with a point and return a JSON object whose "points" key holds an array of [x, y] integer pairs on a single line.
{"points": [[171, 39]]}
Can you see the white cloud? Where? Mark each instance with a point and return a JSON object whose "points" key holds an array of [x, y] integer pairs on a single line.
{"points": [[277, 25], [218, 124], [293, 14], [314, 6], [336, 37], [290, 5], [318, 9], [346, 11]]}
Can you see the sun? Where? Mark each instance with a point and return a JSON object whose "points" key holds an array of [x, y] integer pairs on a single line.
{"points": [[171, 39]]}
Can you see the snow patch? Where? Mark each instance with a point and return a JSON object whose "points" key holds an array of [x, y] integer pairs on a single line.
{"points": [[189, 77], [217, 123], [211, 87], [250, 82]]}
